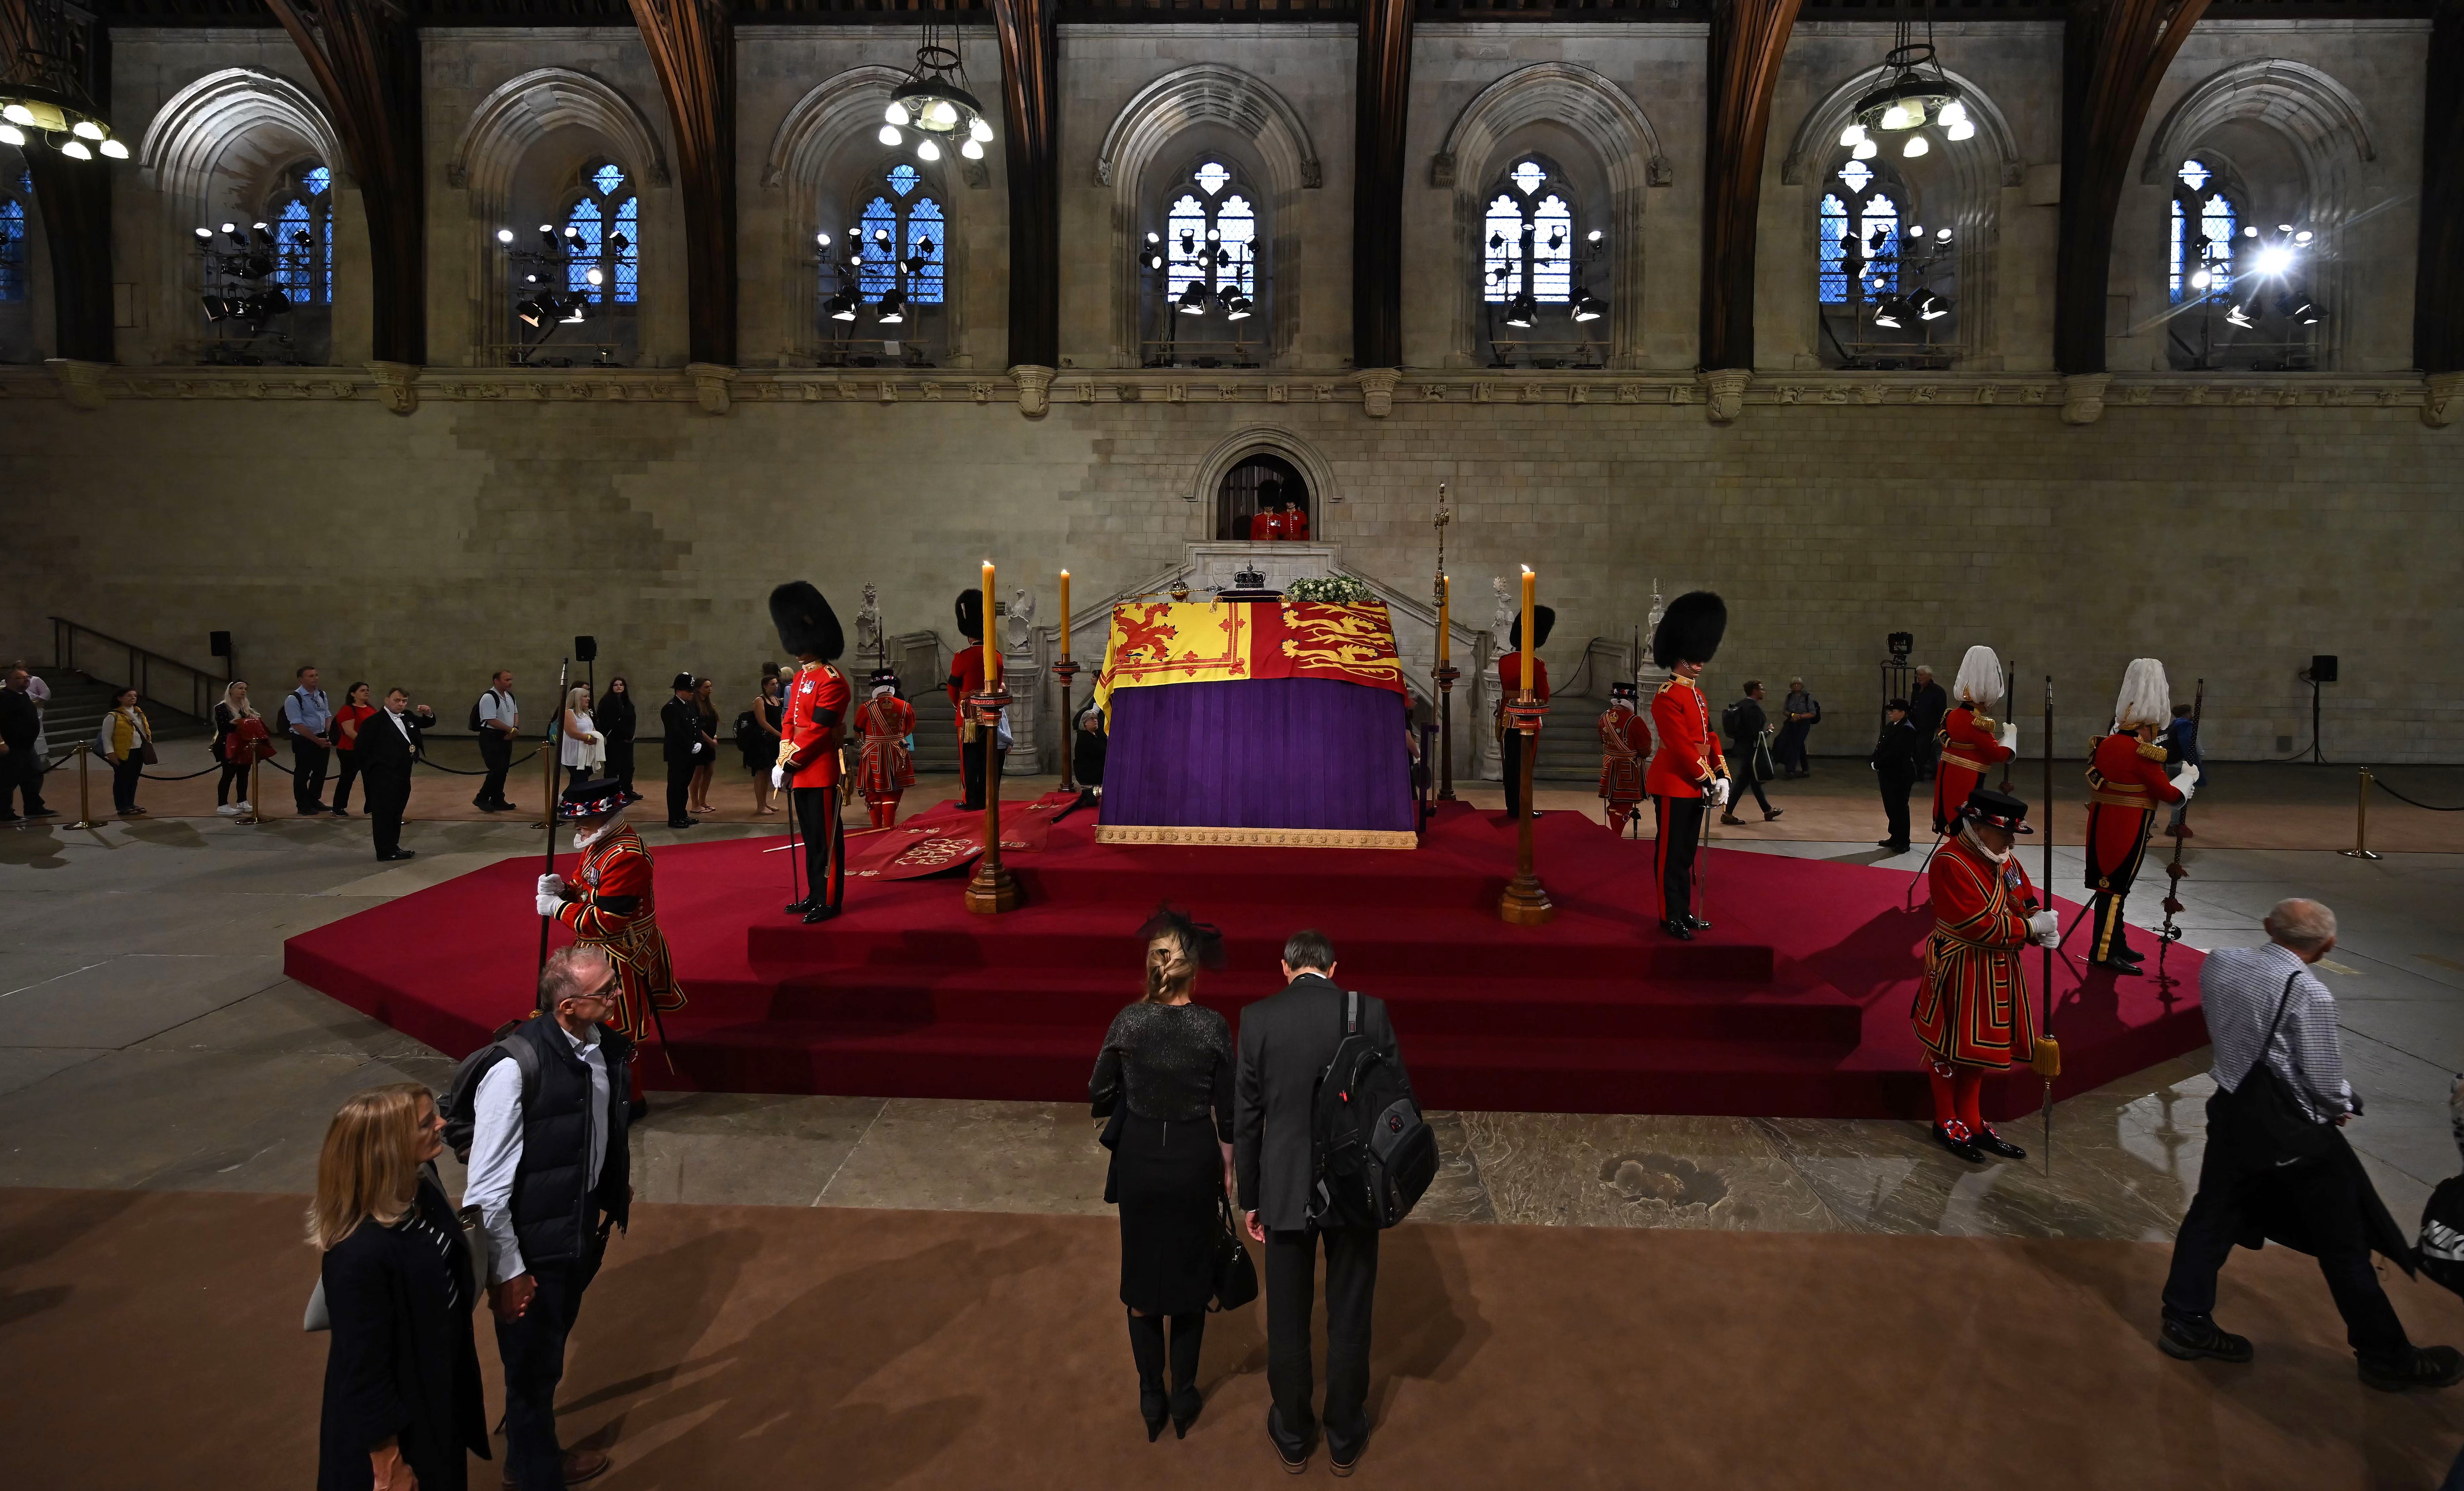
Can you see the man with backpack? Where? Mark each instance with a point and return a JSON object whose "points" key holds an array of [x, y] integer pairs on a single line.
{"points": [[1328, 1144], [540, 1117], [496, 720]]}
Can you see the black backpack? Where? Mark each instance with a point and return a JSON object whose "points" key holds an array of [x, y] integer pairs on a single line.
{"points": [[748, 730], [475, 710], [462, 1094], [2442, 1235], [1372, 1154]]}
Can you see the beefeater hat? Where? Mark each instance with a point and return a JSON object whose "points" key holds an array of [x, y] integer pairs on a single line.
{"points": [[588, 798], [971, 614], [805, 622], [2146, 698], [1996, 810], [1542, 620], [1690, 630], [1621, 691]]}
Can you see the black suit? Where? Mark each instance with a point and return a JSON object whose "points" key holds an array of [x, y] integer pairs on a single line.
{"points": [[1286, 1041], [21, 770], [1899, 753], [1926, 709], [681, 720], [386, 759]]}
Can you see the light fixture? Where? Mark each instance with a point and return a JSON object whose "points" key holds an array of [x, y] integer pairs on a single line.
{"points": [[1916, 146], [2274, 259], [1891, 311], [42, 90], [114, 149], [841, 307], [972, 150], [2302, 236], [933, 99], [1914, 93], [2199, 279], [1588, 308], [1236, 307], [893, 308], [1523, 311], [1867, 149], [2237, 316], [593, 277], [1928, 306], [890, 134], [1852, 136], [1594, 236], [927, 150], [206, 233], [11, 135], [896, 114], [503, 234], [1193, 300]]}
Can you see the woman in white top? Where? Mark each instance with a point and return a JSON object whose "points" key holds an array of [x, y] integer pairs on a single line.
{"points": [[583, 751]]}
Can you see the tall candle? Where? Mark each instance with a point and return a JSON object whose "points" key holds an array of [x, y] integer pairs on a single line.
{"points": [[1064, 616], [1530, 583], [991, 647], [1446, 601]]}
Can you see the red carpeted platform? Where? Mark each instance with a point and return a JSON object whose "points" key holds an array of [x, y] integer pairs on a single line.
{"points": [[1794, 1004]]}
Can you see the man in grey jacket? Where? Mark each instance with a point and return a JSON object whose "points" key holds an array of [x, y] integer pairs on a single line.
{"points": [[1287, 1040]]}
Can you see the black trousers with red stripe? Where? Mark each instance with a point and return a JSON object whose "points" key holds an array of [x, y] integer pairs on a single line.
{"points": [[1672, 856], [817, 819]]}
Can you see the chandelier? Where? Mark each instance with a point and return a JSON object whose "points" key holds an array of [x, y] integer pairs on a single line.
{"points": [[935, 103], [42, 93], [1914, 97]]}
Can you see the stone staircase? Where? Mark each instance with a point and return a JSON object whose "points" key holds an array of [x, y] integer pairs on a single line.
{"points": [[79, 701]]}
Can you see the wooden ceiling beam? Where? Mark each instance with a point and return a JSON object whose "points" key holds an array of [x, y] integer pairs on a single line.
{"points": [[1748, 39], [2438, 269], [692, 45], [1383, 106], [1030, 48]]}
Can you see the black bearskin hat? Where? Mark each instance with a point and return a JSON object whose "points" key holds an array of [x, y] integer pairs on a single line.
{"points": [[1690, 630], [805, 622], [971, 615], [1202, 942], [1543, 618]]}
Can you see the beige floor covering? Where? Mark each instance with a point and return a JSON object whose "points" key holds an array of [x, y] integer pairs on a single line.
{"points": [[150, 1339]]}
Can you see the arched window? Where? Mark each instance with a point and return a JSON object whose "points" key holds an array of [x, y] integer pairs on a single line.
{"points": [[604, 229], [2199, 250], [1261, 484], [302, 216], [16, 283], [2242, 295], [892, 264], [1532, 253], [1202, 272], [1881, 277]]}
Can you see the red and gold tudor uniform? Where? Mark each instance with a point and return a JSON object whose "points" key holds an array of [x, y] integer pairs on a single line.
{"points": [[612, 903], [2125, 780], [809, 736], [1625, 742], [1971, 746], [884, 769], [1971, 1012]]}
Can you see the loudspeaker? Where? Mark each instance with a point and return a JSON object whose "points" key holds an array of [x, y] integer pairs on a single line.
{"points": [[2323, 668], [218, 642], [586, 649], [1901, 643]]}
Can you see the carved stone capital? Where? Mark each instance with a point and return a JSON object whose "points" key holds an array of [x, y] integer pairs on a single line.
{"points": [[2445, 401], [714, 385], [1724, 392], [1378, 390], [1034, 389], [80, 382], [397, 386], [2083, 397]]}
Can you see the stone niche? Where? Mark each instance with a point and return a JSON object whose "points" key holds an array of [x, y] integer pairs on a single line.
{"points": [[1217, 566]]}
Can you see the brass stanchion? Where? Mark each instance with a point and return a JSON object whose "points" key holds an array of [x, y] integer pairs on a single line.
{"points": [[1447, 674], [1526, 902], [991, 889], [85, 791], [2361, 849], [1066, 670], [255, 809]]}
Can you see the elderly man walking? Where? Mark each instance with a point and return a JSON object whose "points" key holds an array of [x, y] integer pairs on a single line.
{"points": [[2277, 1164]]}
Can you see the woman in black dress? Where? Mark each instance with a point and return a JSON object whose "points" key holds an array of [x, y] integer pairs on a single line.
{"points": [[614, 717], [1164, 1077]]}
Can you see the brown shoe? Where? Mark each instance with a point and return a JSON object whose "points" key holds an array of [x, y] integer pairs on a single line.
{"points": [[1731, 817]]}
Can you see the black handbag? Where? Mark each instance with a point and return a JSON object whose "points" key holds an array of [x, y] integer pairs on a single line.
{"points": [[2266, 1112], [1235, 1273]]}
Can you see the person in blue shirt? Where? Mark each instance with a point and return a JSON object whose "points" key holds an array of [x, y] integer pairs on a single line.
{"points": [[308, 719], [2181, 743]]}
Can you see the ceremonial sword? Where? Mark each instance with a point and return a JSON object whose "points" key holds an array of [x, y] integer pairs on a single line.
{"points": [[2173, 871], [554, 729]]}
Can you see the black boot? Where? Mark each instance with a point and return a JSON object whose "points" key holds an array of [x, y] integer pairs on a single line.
{"points": [[1188, 1334], [1146, 1348], [1992, 1143]]}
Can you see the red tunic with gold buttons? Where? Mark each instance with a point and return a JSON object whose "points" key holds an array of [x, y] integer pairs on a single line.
{"points": [[815, 725], [966, 677], [2125, 780], [1689, 754], [1971, 745], [884, 769], [1972, 1007], [613, 906]]}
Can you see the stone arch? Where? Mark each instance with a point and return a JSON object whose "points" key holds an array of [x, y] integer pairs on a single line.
{"points": [[1160, 112], [1977, 177], [523, 110], [192, 140], [1264, 439], [1624, 148]]}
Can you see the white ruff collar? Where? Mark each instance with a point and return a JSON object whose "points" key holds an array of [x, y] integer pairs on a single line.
{"points": [[1969, 833], [584, 838]]}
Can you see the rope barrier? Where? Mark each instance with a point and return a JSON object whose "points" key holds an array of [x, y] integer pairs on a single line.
{"points": [[2415, 802], [456, 771]]}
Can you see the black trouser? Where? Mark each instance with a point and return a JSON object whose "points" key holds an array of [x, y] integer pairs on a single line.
{"points": [[123, 782], [972, 757], [2323, 1192], [232, 784], [619, 762], [1681, 832], [497, 753], [533, 1351], [21, 770], [1745, 782], [389, 794], [1350, 1288], [2108, 939], [308, 774], [347, 771], [817, 819], [1509, 749], [679, 791], [1895, 807]]}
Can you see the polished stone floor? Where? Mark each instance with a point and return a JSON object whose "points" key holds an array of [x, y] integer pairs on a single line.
{"points": [[148, 1039]]}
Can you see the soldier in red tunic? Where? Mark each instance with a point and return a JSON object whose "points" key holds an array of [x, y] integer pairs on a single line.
{"points": [[884, 769], [1625, 742], [967, 677], [1971, 1012], [813, 727], [1971, 742], [611, 903], [1509, 688], [1295, 522], [1688, 774], [2125, 780], [1266, 525]]}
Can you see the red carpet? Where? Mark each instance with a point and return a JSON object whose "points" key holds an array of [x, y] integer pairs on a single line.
{"points": [[1795, 1004]]}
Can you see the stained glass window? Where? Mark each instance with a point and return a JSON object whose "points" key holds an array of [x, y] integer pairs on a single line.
{"points": [[302, 216], [925, 239], [1552, 253], [1237, 228], [1878, 227], [902, 242], [12, 249], [880, 230], [1528, 239], [1210, 235], [1858, 253], [2199, 240], [607, 237], [1501, 251], [1831, 242], [607, 178], [588, 227], [903, 178]]}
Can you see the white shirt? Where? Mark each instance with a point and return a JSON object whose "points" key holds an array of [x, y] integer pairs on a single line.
{"points": [[497, 707], [399, 723], [496, 1148]]}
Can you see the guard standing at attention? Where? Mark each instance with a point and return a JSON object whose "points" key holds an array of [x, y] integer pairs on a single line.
{"points": [[1509, 688], [811, 733], [885, 768], [976, 744], [612, 903], [1971, 1013], [1971, 742], [1688, 774], [2125, 780], [1625, 742]]}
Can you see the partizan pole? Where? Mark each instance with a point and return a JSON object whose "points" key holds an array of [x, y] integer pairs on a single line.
{"points": [[2173, 871], [2045, 1028], [554, 733]]}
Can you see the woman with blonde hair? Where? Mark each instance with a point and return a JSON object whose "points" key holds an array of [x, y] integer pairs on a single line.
{"points": [[584, 750], [403, 1407], [231, 788]]}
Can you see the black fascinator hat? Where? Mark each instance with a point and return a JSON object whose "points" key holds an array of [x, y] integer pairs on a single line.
{"points": [[1204, 943]]}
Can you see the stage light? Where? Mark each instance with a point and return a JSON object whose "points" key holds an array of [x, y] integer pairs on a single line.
{"points": [[1586, 307], [232, 228], [2302, 236], [548, 228], [2250, 232], [1155, 237], [1890, 311], [2274, 259], [1594, 236], [206, 233], [842, 306], [2199, 279], [1152, 260], [1523, 311], [532, 311], [1193, 300], [1236, 308], [2237, 317], [593, 277], [216, 307], [1941, 236], [890, 134], [1928, 306], [504, 235], [893, 308]]}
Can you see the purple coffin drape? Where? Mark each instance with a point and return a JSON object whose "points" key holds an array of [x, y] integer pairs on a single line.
{"points": [[1283, 753]]}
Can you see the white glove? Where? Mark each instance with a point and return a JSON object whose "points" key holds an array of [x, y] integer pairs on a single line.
{"points": [[550, 884], [2188, 780], [696, 750], [1719, 792], [2044, 929], [549, 905], [778, 779], [2010, 738]]}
